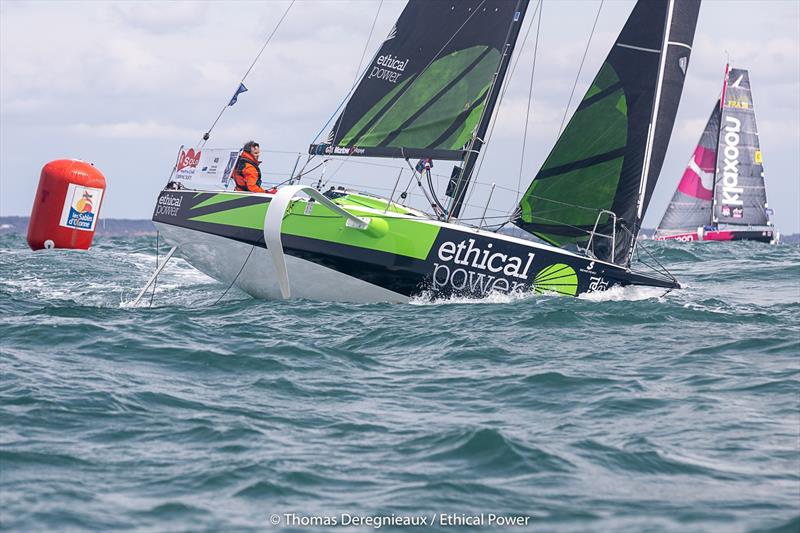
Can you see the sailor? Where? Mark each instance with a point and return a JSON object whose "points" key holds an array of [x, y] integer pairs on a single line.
{"points": [[247, 173]]}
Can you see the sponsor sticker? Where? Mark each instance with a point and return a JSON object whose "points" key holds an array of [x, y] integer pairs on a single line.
{"points": [[731, 191], [207, 169], [467, 267], [389, 68], [739, 105], [187, 164], [168, 205], [80, 207]]}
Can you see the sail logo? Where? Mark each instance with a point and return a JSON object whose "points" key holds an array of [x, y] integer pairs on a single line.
{"points": [[683, 62], [343, 150], [465, 267], [731, 192], [389, 68], [739, 105]]}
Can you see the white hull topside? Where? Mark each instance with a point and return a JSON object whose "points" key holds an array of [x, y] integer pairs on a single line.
{"points": [[222, 258]]}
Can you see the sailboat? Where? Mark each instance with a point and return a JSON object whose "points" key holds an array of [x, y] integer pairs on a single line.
{"points": [[429, 93], [721, 195]]}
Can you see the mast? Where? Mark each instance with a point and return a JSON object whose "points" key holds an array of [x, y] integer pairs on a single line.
{"points": [[719, 135], [648, 151], [477, 141]]}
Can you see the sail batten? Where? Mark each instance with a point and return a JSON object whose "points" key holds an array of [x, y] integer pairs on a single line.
{"points": [[609, 156], [640, 205]]}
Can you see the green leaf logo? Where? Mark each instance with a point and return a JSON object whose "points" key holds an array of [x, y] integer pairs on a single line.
{"points": [[558, 278]]}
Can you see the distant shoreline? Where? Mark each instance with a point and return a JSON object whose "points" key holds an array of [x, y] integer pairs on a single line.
{"points": [[106, 227], [131, 227]]}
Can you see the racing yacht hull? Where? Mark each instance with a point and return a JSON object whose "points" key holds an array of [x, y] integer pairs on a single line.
{"points": [[767, 235], [400, 255]]}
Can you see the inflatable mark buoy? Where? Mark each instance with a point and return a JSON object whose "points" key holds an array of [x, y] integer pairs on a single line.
{"points": [[66, 206]]}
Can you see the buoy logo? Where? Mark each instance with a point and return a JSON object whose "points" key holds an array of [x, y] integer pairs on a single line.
{"points": [[559, 278], [79, 211], [84, 205]]}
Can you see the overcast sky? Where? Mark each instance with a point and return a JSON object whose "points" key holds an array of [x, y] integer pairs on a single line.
{"points": [[124, 84]]}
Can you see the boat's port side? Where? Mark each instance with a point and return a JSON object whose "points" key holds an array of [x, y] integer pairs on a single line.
{"points": [[250, 269]]}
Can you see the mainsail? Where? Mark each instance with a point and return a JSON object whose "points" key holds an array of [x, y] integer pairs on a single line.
{"points": [[432, 84], [610, 154], [739, 194], [691, 204]]}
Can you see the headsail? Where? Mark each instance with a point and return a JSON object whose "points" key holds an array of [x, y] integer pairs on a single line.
{"points": [[739, 194], [610, 154], [691, 204], [429, 85]]}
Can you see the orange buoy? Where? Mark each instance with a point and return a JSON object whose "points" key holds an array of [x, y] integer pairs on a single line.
{"points": [[67, 205]]}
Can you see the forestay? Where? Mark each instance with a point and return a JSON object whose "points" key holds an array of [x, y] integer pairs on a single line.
{"points": [[428, 87], [610, 154]]}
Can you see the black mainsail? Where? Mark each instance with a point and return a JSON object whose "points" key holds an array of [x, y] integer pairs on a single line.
{"points": [[431, 88], [739, 194], [609, 156]]}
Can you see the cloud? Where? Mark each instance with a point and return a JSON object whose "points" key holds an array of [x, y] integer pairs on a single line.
{"points": [[150, 129], [161, 17], [149, 76], [25, 105]]}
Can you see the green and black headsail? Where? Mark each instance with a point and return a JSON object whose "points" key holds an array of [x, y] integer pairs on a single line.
{"points": [[610, 154], [432, 83]]}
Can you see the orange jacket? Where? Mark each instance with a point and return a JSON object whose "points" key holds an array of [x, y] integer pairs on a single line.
{"points": [[247, 173]]}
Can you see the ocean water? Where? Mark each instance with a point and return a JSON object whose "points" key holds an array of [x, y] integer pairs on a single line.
{"points": [[629, 411]]}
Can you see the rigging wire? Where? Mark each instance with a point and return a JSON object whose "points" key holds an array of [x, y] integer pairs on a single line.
{"points": [[152, 294], [530, 97], [580, 68], [253, 64], [663, 270], [252, 247], [207, 134], [470, 148], [359, 73], [493, 121]]}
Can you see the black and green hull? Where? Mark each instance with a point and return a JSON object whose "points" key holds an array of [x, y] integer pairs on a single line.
{"points": [[406, 255]]}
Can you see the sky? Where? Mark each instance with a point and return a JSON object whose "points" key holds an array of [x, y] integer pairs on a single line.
{"points": [[125, 84]]}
